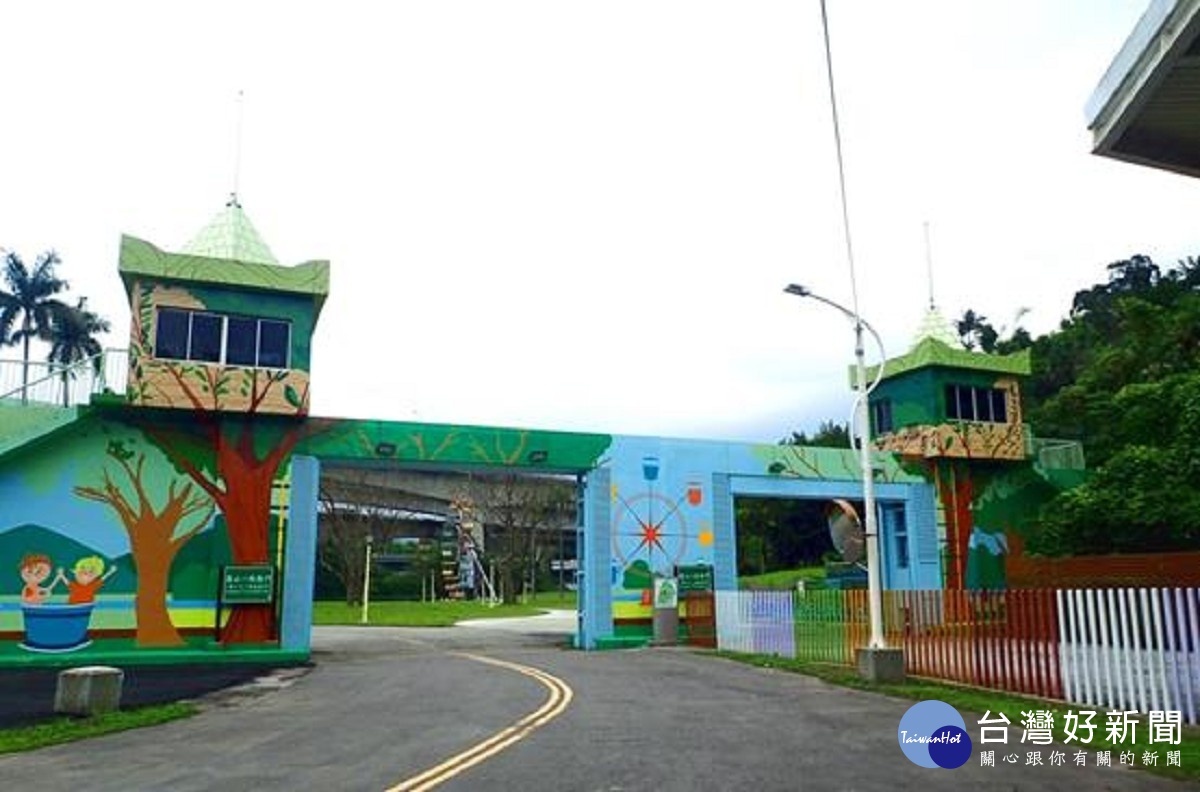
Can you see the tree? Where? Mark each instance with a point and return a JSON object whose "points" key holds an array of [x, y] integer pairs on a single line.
{"points": [[524, 514], [828, 435], [350, 514], [28, 302], [976, 332], [72, 338], [154, 533]]}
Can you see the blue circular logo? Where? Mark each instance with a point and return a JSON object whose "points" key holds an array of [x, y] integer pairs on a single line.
{"points": [[933, 734]]}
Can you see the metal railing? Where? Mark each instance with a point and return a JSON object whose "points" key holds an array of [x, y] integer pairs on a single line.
{"points": [[39, 382]]}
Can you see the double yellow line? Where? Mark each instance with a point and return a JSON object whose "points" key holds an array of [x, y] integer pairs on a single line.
{"points": [[558, 700]]}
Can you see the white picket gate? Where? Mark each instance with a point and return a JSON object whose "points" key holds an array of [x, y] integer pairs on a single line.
{"points": [[758, 622]]}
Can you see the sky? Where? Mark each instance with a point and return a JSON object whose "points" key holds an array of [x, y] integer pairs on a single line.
{"points": [[581, 216]]}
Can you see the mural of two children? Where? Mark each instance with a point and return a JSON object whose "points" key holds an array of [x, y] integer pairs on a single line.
{"points": [[89, 572]]}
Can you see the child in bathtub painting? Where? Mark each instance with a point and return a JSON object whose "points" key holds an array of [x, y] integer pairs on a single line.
{"points": [[35, 568], [89, 578]]}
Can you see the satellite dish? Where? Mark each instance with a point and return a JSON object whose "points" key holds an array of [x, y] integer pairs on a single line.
{"points": [[845, 529]]}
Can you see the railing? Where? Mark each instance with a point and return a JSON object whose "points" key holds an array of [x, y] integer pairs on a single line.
{"points": [[64, 386], [1126, 649]]}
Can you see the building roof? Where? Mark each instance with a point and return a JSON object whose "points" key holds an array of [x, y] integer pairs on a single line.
{"points": [[142, 259], [1144, 109], [929, 352], [227, 252], [231, 235]]}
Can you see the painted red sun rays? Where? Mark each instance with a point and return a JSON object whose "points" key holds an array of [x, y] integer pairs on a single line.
{"points": [[651, 537]]}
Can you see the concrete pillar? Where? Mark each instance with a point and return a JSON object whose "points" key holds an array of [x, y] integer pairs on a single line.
{"points": [[89, 690]]}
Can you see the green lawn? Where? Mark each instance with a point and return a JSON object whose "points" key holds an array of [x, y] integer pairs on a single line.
{"points": [[434, 614], [976, 701], [61, 730], [813, 577]]}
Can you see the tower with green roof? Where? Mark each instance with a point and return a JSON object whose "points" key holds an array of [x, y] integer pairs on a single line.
{"points": [[221, 325], [955, 413]]}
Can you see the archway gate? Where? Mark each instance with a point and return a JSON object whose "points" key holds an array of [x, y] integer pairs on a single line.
{"points": [[139, 489], [650, 504]]}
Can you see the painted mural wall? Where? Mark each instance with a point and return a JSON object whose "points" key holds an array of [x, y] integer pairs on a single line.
{"points": [[670, 504], [113, 527], [652, 504], [924, 430], [113, 530], [192, 385]]}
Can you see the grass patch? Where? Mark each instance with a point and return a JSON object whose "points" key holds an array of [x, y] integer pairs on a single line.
{"points": [[418, 614], [977, 701], [62, 730], [813, 577], [568, 600]]}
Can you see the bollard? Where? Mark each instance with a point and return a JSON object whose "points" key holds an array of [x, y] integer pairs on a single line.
{"points": [[89, 690]]}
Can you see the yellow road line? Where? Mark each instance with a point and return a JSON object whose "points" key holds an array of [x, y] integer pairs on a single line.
{"points": [[558, 700]]}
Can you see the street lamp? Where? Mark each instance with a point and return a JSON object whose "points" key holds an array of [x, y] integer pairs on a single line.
{"points": [[860, 417]]}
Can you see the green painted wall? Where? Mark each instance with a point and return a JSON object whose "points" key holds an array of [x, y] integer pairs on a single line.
{"points": [[919, 397]]}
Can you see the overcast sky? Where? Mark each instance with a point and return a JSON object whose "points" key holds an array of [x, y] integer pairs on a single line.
{"points": [[582, 215]]}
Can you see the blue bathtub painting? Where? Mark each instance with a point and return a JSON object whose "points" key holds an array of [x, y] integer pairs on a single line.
{"points": [[56, 628]]}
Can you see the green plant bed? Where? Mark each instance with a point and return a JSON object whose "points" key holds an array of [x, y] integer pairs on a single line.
{"points": [[417, 614], [62, 730]]}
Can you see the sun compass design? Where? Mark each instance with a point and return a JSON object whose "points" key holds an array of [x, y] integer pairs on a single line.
{"points": [[650, 530]]}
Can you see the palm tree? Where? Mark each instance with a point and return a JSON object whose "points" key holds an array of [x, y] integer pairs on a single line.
{"points": [[30, 298], [72, 340]]}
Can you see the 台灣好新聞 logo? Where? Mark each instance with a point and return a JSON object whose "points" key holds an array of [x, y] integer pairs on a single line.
{"points": [[933, 734]]}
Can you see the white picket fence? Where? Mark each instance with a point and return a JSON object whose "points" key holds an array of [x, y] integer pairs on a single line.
{"points": [[758, 622], [1131, 649]]}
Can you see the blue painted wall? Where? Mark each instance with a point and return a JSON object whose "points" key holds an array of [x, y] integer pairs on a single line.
{"points": [[654, 504]]}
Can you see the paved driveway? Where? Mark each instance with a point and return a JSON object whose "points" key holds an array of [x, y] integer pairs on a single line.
{"points": [[384, 704]]}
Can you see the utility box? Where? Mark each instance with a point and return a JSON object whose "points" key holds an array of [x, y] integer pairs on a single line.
{"points": [[666, 611]]}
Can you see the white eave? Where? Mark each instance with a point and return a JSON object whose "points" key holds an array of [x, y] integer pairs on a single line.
{"points": [[1146, 108]]}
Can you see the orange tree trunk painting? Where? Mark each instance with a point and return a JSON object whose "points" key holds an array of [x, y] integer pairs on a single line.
{"points": [[154, 537]]}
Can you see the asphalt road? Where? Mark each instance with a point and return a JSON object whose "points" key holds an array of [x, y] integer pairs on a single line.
{"points": [[383, 704]]}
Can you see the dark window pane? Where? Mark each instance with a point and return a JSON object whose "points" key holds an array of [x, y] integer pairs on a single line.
{"points": [[273, 341], [951, 401], [983, 404], [206, 338], [882, 413], [241, 341], [966, 409], [171, 336], [999, 406]]}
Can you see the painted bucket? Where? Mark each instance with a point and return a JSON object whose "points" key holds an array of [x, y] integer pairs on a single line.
{"points": [[56, 628]]}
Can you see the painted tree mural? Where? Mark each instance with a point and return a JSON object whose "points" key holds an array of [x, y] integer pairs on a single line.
{"points": [[227, 443], [156, 535], [235, 460]]}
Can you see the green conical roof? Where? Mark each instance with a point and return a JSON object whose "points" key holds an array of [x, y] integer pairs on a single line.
{"points": [[230, 235], [934, 325]]}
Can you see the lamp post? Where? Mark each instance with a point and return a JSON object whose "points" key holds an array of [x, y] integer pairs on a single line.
{"points": [[861, 417], [366, 589]]}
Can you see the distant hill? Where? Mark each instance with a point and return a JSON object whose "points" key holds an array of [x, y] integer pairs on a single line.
{"points": [[194, 573], [63, 551]]}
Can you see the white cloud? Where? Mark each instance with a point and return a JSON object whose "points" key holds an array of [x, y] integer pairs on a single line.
{"points": [[582, 216]]}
